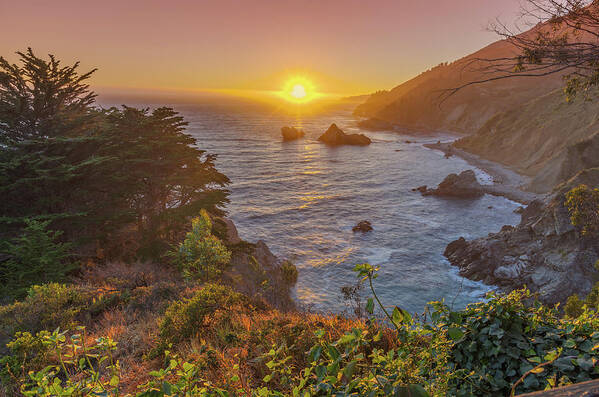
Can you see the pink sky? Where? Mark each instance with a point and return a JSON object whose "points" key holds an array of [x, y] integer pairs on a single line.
{"points": [[345, 46]]}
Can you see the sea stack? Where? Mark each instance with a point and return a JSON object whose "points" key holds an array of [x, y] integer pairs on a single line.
{"points": [[464, 185], [291, 133], [334, 136]]}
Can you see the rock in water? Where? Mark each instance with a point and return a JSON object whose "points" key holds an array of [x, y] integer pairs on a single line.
{"points": [[334, 136], [291, 133], [464, 185], [422, 189], [363, 226]]}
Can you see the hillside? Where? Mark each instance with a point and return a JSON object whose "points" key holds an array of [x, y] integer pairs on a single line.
{"points": [[546, 138], [524, 123], [416, 103]]}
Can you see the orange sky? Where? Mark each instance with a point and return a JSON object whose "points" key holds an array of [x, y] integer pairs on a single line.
{"points": [[343, 46]]}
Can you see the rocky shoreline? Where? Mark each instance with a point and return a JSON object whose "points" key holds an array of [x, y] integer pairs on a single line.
{"points": [[506, 183], [544, 252]]}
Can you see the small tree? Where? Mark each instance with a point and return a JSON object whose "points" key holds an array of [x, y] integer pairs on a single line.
{"points": [[35, 257], [202, 255], [583, 205]]}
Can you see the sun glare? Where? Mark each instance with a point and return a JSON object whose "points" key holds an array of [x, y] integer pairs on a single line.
{"points": [[299, 90]]}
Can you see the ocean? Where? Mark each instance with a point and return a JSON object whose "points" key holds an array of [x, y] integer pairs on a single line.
{"points": [[303, 198]]}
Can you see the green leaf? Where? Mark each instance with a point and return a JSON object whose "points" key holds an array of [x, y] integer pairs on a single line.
{"points": [[363, 270], [455, 318], [167, 388], [564, 364], [585, 363], [397, 316], [333, 352], [349, 369], [370, 306], [315, 353], [411, 391], [551, 355], [114, 381], [455, 333], [570, 344]]}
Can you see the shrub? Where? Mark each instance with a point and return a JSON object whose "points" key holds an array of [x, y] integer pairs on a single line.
{"points": [[82, 370], [27, 352], [46, 306], [583, 205], [505, 345], [202, 255], [289, 272], [183, 319], [35, 257], [501, 346], [574, 306]]}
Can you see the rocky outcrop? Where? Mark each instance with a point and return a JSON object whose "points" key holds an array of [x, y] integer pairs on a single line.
{"points": [[334, 136], [231, 235], [362, 226], [255, 270], [291, 133], [544, 253], [464, 185]]}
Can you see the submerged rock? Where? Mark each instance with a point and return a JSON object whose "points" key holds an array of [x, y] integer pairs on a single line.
{"points": [[334, 136], [363, 226], [464, 185], [291, 133]]}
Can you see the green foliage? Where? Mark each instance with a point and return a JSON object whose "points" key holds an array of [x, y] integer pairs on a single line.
{"points": [[162, 190], [202, 255], [184, 319], [96, 173], [81, 370], [27, 352], [504, 340], [583, 205], [84, 370], [575, 307], [46, 307], [35, 257], [289, 272], [502, 346]]}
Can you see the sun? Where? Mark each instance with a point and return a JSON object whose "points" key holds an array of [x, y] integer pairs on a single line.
{"points": [[299, 90]]}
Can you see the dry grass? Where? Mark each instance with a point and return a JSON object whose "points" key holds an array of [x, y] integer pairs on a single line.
{"points": [[128, 305]]}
